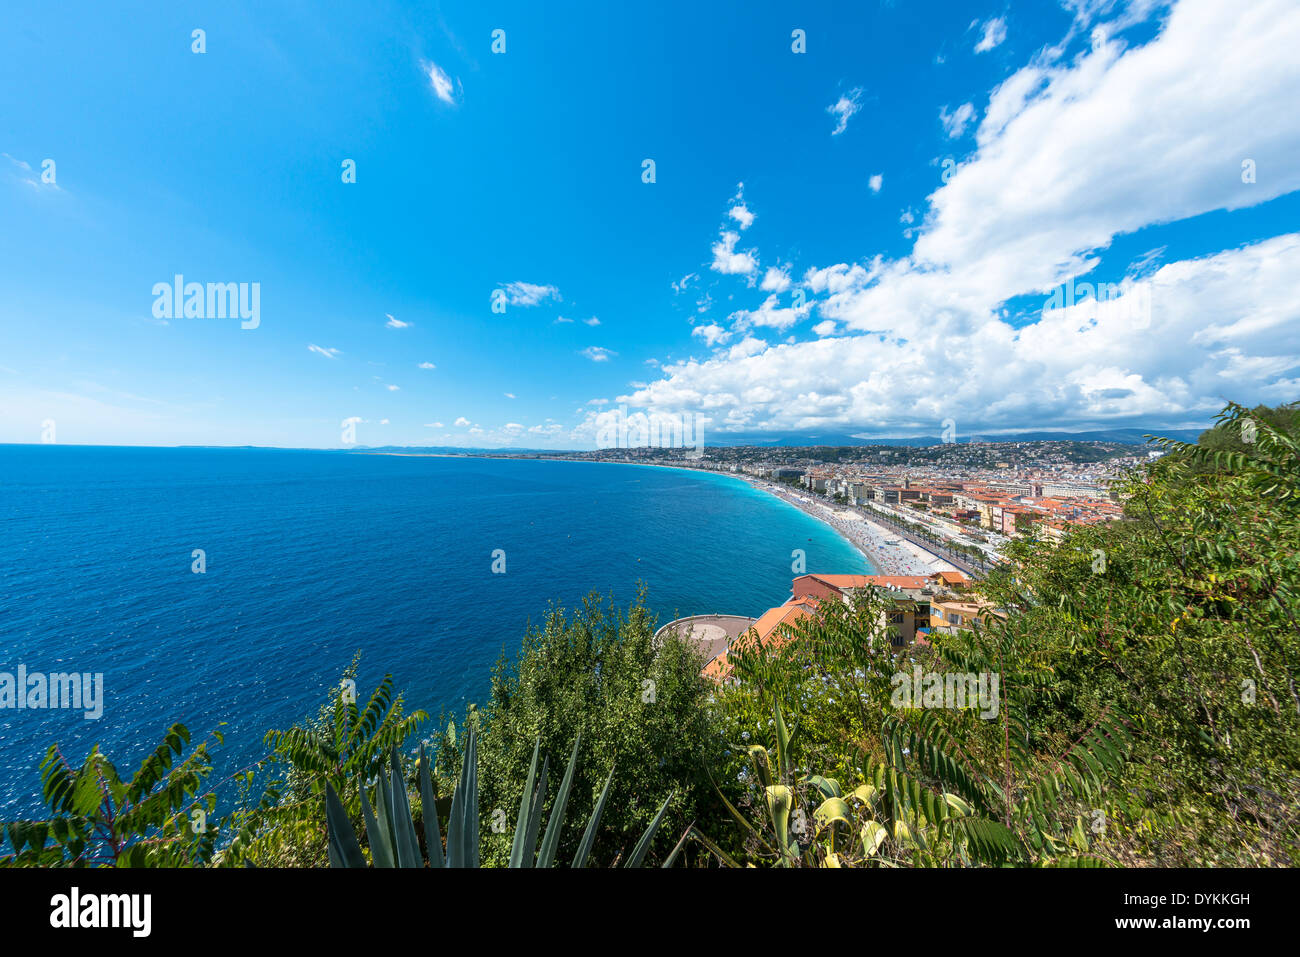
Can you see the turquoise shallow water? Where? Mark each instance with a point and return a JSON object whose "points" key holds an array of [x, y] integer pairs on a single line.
{"points": [[313, 555]]}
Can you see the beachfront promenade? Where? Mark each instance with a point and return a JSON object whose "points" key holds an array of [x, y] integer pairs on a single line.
{"points": [[892, 548], [962, 562]]}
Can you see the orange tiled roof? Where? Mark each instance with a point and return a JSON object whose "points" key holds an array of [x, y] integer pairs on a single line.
{"points": [[881, 581], [766, 631]]}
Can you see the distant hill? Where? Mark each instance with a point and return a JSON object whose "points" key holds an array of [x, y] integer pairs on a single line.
{"points": [[800, 440], [1124, 436]]}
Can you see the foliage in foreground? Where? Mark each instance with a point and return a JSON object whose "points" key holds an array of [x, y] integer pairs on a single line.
{"points": [[924, 784], [161, 817], [394, 842], [1149, 712], [642, 709]]}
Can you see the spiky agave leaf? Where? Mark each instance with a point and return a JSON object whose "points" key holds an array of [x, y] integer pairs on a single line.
{"points": [[344, 850], [551, 840], [432, 835], [643, 845], [589, 835]]}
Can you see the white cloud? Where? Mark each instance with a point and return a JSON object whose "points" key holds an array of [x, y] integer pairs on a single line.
{"points": [[843, 108], [741, 214], [712, 334], [509, 395], [771, 315], [775, 280], [461, 422], [427, 365], [561, 320], [598, 353], [875, 182], [396, 323], [393, 388], [529, 294], [825, 328], [729, 262], [1066, 159], [681, 285], [433, 425], [954, 123], [442, 85], [593, 321], [328, 353], [995, 31]]}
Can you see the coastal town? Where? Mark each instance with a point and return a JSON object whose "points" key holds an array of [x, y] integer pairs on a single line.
{"points": [[915, 510], [930, 519]]}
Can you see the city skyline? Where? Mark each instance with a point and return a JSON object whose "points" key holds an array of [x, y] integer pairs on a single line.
{"points": [[477, 229]]}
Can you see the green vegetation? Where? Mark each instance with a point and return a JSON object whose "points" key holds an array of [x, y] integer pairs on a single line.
{"points": [[1132, 702], [640, 708], [393, 837]]}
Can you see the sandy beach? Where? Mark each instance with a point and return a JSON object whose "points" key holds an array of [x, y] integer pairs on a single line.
{"points": [[883, 547]]}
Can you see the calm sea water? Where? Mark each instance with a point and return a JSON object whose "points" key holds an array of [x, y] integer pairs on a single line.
{"points": [[314, 555]]}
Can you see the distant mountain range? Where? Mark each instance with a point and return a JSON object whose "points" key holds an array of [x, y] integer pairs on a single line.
{"points": [[1122, 436]]}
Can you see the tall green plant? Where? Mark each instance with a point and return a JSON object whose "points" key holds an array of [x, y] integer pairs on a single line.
{"points": [[163, 816], [391, 832]]}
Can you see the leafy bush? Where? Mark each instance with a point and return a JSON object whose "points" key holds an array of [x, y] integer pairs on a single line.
{"points": [[641, 706]]}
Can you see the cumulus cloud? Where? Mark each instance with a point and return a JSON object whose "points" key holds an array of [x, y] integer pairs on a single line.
{"points": [[427, 365], [461, 422], [729, 262], [1066, 158], [598, 353], [875, 182], [712, 334], [775, 280], [771, 314], [739, 211]]}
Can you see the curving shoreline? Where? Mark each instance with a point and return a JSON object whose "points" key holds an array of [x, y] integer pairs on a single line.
{"points": [[881, 546]]}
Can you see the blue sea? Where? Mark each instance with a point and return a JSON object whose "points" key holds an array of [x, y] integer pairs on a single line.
{"points": [[312, 556]]}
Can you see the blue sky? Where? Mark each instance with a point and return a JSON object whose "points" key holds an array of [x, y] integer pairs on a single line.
{"points": [[805, 260]]}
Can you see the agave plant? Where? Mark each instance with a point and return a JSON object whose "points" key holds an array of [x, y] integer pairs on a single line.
{"points": [[390, 827]]}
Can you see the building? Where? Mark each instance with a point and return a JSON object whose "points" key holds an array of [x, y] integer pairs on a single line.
{"points": [[907, 618]]}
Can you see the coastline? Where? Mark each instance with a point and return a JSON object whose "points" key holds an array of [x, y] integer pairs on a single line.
{"points": [[882, 547]]}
